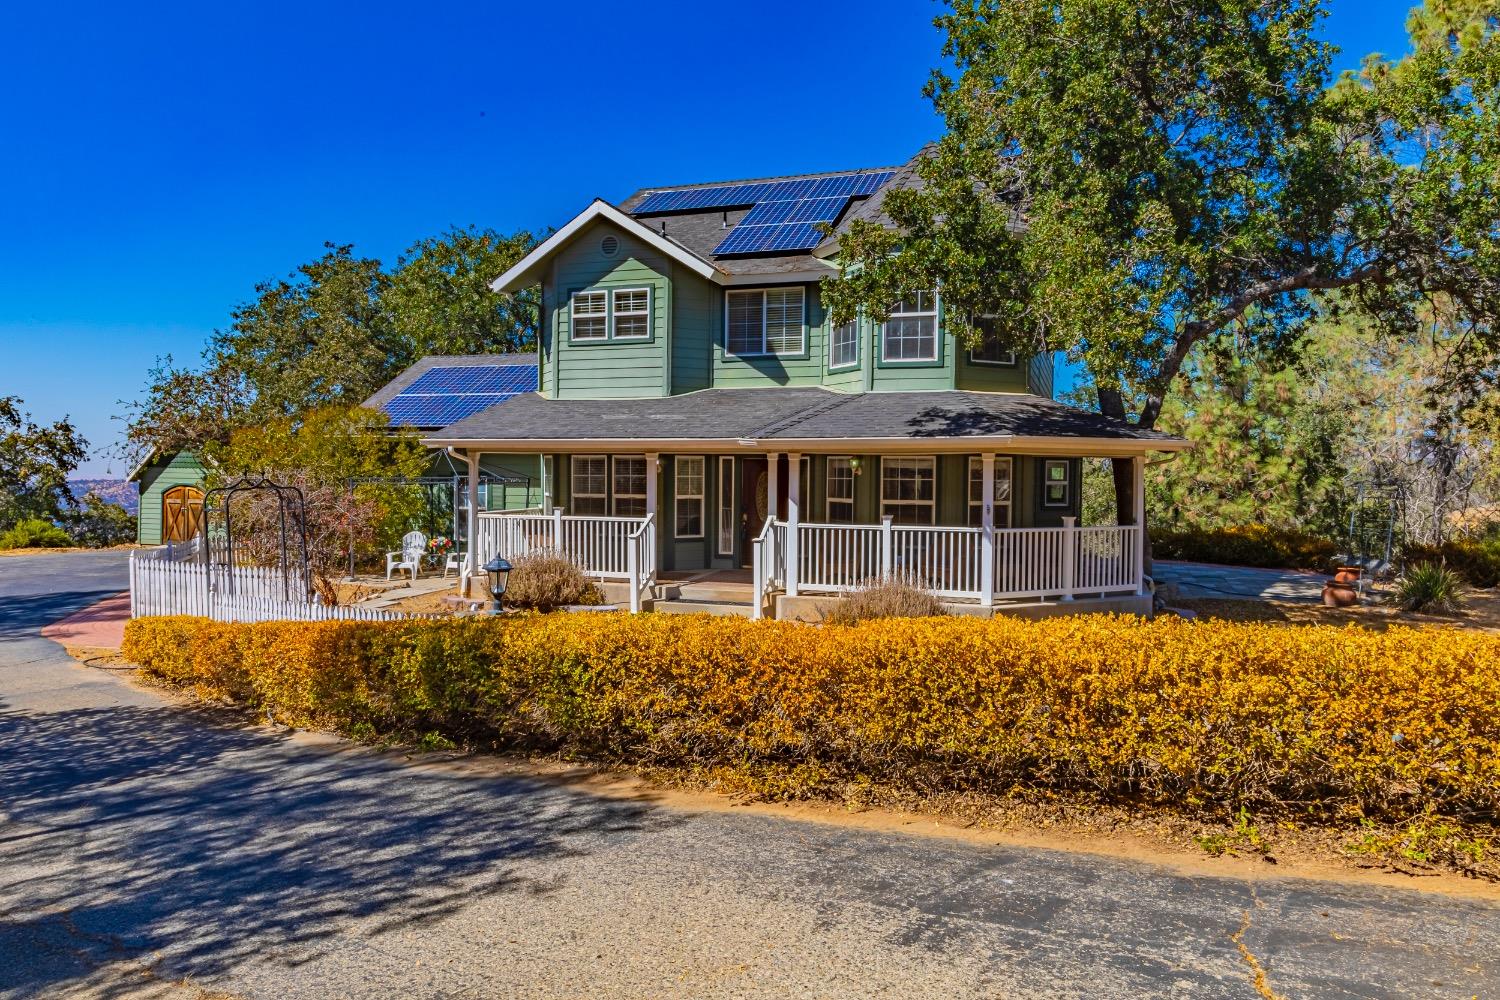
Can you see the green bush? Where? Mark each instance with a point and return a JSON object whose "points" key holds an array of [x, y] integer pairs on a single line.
{"points": [[34, 533], [1245, 545], [1430, 586], [1476, 559]]}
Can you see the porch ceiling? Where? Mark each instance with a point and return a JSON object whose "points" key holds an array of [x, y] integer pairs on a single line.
{"points": [[802, 419]]}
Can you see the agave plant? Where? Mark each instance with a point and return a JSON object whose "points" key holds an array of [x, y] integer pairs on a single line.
{"points": [[1430, 586]]}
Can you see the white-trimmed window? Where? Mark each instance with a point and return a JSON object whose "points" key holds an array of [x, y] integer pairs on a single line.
{"points": [[589, 486], [840, 490], [911, 332], [629, 481], [908, 489], [726, 505], [688, 497], [632, 313], [976, 492], [764, 321], [590, 316], [1057, 483], [843, 345], [989, 351]]}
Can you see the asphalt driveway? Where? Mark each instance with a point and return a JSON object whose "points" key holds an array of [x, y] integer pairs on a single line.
{"points": [[153, 850]]}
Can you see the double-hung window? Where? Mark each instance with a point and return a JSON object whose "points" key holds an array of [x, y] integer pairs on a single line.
{"points": [[843, 345], [629, 482], [590, 316], [590, 485], [632, 313], [840, 490], [764, 321], [1057, 483], [988, 351], [911, 332], [688, 496], [976, 492], [908, 489]]}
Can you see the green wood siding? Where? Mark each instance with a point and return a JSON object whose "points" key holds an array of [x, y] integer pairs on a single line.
{"points": [[1039, 375], [181, 469], [697, 316], [990, 378], [608, 368]]}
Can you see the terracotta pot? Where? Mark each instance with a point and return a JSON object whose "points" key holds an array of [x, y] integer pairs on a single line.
{"points": [[1347, 574], [1339, 595]]}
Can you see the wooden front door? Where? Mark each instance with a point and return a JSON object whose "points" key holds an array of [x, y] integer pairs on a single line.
{"points": [[181, 513], [755, 501]]}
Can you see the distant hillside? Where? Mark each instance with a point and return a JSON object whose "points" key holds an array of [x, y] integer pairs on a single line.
{"points": [[118, 491]]}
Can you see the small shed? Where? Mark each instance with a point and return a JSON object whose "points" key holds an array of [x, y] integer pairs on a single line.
{"points": [[171, 492]]}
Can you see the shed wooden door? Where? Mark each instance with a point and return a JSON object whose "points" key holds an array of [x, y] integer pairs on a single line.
{"points": [[181, 513]]}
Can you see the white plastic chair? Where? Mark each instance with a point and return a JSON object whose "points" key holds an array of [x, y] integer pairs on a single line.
{"points": [[413, 547], [455, 561]]}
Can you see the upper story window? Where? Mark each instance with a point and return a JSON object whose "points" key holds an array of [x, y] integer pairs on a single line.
{"points": [[632, 313], [764, 321], [843, 345], [911, 332], [611, 314], [989, 350], [590, 314]]}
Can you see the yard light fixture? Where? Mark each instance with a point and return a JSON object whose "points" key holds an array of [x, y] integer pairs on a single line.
{"points": [[498, 569]]}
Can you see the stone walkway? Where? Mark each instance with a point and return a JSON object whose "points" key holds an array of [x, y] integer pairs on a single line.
{"points": [[1241, 582], [102, 625]]}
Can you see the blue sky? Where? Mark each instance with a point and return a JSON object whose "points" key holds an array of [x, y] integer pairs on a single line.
{"points": [[159, 160]]}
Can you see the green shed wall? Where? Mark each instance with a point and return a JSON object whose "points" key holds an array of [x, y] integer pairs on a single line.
{"points": [[182, 469]]}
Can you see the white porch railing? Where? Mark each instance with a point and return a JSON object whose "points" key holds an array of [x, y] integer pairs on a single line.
{"points": [[769, 564], [606, 548], [1056, 563]]}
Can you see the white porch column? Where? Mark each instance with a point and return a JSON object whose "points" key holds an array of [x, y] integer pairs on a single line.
{"points": [[1138, 489], [773, 505], [470, 569], [793, 521], [987, 541], [652, 474]]}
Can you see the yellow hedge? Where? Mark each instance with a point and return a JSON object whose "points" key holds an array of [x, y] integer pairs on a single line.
{"points": [[1321, 720]]}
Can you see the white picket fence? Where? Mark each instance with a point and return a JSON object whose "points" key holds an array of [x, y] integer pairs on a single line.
{"points": [[162, 586]]}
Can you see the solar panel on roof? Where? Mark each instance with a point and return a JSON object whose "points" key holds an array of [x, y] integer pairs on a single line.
{"points": [[446, 394], [726, 195]]}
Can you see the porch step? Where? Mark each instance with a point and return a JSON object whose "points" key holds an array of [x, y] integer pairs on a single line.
{"points": [[723, 609], [704, 592]]}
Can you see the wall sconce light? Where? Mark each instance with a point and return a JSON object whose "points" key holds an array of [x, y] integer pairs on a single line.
{"points": [[855, 465]]}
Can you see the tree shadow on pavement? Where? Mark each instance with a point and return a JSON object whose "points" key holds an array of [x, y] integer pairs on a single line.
{"points": [[143, 831], [21, 617]]}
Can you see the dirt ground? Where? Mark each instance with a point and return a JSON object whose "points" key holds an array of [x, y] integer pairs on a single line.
{"points": [[1481, 612]]}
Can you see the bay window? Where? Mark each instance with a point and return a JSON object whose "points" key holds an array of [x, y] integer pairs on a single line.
{"points": [[911, 332]]}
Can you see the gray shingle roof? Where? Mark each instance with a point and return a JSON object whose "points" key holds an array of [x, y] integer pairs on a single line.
{"points": [[700, 232], [791, 414], [393, 388]]}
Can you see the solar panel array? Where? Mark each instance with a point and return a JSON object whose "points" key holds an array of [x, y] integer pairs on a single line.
{"points": [[786, 214], [445, 395]]}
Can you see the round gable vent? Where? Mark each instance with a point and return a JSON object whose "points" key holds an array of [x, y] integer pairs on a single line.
{"points": [[609, 246]]}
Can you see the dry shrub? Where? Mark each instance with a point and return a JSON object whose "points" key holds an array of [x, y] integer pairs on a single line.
{"points": [[544, 581], [885, 597]]}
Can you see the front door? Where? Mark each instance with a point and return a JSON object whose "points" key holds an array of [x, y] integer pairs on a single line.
{"points": [[755, 505]]}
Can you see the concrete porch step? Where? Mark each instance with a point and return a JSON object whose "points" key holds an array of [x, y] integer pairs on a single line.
{"points": [[723, 609], [722, 593]]}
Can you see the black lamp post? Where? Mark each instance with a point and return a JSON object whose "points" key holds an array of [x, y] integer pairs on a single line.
{"points": [[498, 569]]}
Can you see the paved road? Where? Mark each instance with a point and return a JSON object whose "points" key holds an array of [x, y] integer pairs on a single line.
{"points": [[151, 851]]}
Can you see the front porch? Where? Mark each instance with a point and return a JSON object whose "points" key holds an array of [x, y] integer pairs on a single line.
{"points": [[796, 568]]}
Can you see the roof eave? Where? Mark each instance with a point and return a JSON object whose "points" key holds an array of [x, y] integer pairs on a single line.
{"points": [[1082, 447], [521, 274]]}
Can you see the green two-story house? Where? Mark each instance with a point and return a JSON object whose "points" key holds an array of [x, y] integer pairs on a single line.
{"points": [[699, 420]]}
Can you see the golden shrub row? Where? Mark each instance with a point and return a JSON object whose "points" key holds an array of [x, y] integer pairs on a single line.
{"points": [[1318, 720]]}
